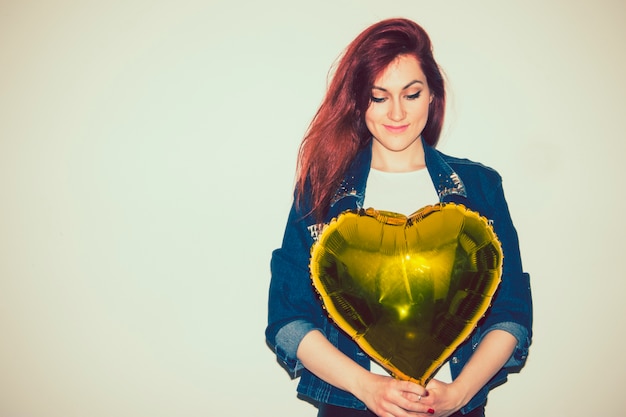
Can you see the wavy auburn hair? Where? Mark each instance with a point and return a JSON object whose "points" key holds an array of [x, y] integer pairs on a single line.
{"points": [[338, 129]]}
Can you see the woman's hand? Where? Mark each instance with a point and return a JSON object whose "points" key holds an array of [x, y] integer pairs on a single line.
{"points": [[386, 396], [444, 398], [490, 355], [383, 395]]}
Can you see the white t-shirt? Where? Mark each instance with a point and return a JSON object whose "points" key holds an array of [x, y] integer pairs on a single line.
{"points": [[404, 193]]}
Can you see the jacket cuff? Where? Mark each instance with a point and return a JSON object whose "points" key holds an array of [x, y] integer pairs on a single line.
{"points": [[288, 339], [520, 353]]}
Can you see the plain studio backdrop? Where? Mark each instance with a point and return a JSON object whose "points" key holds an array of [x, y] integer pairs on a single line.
{"points": [[147, 156]]}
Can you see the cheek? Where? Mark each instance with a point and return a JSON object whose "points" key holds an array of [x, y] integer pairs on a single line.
{"points": [[370, 120], [422, 111]]}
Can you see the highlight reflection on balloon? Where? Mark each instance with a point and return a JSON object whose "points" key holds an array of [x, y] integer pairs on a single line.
{"points": [[408, 290]]}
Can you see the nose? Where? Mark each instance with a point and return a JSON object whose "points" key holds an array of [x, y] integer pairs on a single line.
{"points": [[396, 111]]}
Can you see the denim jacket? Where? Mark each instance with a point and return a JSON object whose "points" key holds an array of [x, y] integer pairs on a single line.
{"points": [[294, 309]]}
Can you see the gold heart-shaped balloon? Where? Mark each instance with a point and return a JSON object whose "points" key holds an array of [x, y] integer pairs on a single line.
{"points": [[408, 290]]}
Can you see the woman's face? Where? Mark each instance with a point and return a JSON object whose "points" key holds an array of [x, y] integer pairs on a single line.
{"points": [[397, 114]]}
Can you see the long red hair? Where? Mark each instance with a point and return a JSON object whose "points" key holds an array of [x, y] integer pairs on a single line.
{"points": [[338, 129]]}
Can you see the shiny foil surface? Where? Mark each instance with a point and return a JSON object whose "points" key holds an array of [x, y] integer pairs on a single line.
{"points": [[408, 290]]}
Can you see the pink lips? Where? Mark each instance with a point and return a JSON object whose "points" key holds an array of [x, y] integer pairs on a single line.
{"points": [[396, 129]]}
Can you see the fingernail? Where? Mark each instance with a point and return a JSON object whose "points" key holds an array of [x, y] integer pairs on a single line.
{"points": [[431, 411]]}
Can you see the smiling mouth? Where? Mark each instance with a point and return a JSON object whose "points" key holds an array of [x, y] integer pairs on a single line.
{"points": [[396, 129]]}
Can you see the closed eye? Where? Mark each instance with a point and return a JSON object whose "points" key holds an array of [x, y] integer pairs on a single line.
{"points": [[414, 96], [377, 99]]}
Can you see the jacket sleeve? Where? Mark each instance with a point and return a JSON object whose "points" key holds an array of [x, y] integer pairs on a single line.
{"points": [[293, 307], [511, 308]]}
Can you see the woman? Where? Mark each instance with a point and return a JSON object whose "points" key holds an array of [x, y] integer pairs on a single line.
{"points": [[375, 133]]}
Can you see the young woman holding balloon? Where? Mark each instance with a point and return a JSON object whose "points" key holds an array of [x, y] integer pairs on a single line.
{"points": [[371, 144]]}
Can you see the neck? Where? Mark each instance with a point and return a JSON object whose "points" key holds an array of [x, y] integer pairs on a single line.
{"points": [[406, 160]]}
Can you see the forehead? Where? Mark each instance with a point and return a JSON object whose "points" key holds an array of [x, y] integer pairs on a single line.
{"points": [[403, 70]]}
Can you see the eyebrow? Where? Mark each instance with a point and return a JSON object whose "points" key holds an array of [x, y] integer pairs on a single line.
{"points": [[374, 87]]}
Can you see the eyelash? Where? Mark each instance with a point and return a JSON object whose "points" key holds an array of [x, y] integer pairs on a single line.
{"points": [[409, 97]]}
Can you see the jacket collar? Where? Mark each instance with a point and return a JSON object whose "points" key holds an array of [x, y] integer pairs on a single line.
{"points": [[445, 180]]}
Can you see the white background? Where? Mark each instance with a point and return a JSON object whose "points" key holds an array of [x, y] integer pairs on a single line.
{"points": [[147, 155]]}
